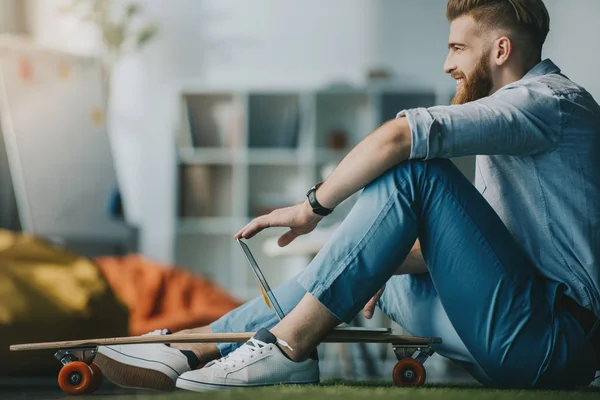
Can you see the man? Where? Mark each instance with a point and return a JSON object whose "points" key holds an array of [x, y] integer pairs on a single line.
{"points": [[507, 274]]}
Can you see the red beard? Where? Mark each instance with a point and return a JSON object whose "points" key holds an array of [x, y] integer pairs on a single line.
{"points": [[478, 85]]}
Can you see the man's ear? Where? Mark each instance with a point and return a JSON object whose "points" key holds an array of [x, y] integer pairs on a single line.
{"points": [[502, 50]]}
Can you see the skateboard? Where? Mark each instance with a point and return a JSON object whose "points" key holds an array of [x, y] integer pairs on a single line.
{"points": [[80, 375]]}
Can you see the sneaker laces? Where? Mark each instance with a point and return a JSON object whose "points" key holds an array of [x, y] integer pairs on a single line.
{"points": [[158, 332], [245, 352]]}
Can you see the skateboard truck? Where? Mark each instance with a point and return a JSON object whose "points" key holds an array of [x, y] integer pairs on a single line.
{"points": [[409, 370], [420, 353], [66, 356]]}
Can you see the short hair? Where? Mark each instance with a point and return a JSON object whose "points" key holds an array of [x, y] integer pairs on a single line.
{"points": [[527, 20]]}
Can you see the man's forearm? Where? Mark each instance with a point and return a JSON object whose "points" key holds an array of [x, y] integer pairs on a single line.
{"points": [[384, 148]]}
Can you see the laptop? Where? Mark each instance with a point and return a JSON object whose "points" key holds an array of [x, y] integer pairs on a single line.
{"points": [[269, 296], [265, 289]]}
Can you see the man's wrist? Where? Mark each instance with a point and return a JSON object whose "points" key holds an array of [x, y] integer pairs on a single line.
{"points": [[316, 206], [309, 210]]}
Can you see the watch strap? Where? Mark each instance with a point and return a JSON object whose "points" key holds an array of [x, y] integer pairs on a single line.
{"points": [[314, 203]]}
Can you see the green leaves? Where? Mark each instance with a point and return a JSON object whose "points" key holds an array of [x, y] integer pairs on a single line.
{"points": [[132, 10], [113, 35], [146, 34], [119, 23]]}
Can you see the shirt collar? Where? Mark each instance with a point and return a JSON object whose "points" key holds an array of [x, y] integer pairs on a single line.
{"points": [[542, 68]]}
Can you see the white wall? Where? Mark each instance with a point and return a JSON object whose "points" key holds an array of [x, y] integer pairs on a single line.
{"points": [[412, 39], [52, 27], [574, 41], [274, 43]]}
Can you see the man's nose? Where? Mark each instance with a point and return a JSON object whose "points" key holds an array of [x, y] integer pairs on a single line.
{"points": [[449, 66]]}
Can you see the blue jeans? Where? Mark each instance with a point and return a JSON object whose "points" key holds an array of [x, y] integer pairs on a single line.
{"points": [[496, 315]]}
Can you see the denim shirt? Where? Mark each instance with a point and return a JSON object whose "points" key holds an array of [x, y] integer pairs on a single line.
{"points": [[537, 142]]}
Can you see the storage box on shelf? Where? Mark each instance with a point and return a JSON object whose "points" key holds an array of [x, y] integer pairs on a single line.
{"points": [[243, 154], [342, 120]]}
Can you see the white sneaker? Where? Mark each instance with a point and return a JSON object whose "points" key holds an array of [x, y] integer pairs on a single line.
{"points": [[259, 362], [143, 366]]}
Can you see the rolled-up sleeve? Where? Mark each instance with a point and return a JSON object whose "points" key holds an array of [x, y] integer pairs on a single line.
{"points": [[520, 120]]}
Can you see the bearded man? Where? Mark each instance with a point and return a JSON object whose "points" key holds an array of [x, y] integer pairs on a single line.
{"points": [[507, 272]]}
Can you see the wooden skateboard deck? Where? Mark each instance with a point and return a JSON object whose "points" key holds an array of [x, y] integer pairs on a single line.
{"points": [[337, 336], [80, 375]]}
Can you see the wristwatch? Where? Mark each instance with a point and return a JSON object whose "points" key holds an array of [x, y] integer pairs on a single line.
{"points": [[316, 206]]}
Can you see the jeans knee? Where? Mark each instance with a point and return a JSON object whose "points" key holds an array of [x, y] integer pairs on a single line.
{"points": [[428, 167], [416, 170]]}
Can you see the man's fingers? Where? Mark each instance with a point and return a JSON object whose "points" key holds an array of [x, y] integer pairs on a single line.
{"points": [[369, 308], [286, 238], [258, 224], [253, 227], [280, 217]]}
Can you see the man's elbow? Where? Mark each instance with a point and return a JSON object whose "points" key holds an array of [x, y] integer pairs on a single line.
{"points": [[398, 139]]}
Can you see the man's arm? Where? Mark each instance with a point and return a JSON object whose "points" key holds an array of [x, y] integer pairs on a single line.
{"points": [[384, 148]]}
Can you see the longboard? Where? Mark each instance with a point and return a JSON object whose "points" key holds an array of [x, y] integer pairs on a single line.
{"points": [[80, 375], [337, 336]]}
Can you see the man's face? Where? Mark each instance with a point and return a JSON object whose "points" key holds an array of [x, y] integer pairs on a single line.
{"points": [[468, 61]]}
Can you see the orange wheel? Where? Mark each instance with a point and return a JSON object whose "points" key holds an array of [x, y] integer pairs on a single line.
{"points": [[75, 378], [96, 378], [408, 372]]}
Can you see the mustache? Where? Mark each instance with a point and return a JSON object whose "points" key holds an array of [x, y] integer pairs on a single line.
{"points": [[457, 75]]}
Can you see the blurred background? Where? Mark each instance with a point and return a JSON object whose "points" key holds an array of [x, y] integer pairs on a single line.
{"points": [[160, 127]]}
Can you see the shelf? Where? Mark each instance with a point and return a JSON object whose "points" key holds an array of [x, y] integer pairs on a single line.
{"points": [[392, 103], [274, 120], [211, 120], [216, 225], [278, 157], [262, 156], [273, 188], [207, 156], [205, 190], [325, 156], [342, 119]]}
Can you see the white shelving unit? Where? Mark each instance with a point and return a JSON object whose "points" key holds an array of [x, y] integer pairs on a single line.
{"points": [[242, 154]]}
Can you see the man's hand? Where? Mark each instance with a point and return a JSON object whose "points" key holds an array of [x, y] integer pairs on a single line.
{"points": [[413, 264], [299, 218], [370, 307]]}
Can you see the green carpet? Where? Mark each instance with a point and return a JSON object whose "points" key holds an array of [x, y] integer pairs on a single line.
{"points": [[329, 390], [332, 390]]}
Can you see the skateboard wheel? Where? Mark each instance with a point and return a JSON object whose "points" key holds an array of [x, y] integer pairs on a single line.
{"points": [[75, 378], [408, 372], [96, 378]]}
